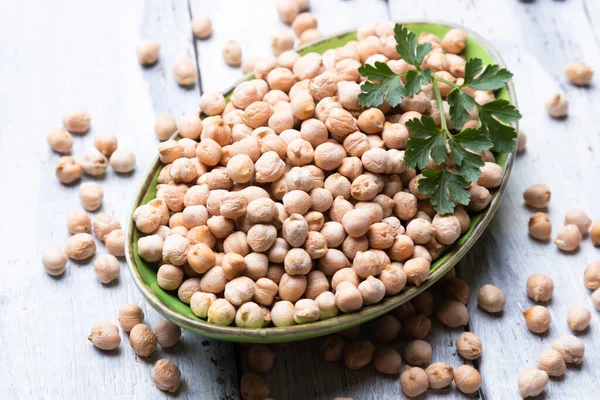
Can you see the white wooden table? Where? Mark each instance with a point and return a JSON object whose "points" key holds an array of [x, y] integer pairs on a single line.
{"points": [[55, 56]]}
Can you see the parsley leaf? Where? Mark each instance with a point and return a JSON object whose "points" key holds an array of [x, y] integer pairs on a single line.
{"points": [[491, 78], [414, 80], [503, 136], [444, 189], [463, 147], [502, 110], [389, 88], [473, 139], [407, 46], [426, 140], [460, 105]]}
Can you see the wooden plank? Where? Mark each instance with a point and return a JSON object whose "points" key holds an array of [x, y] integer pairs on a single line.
{"points": [[255, 22], [83, 56], [536, 40]]}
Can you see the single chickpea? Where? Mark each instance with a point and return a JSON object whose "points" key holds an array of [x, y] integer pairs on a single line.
{"points": [[54, 261], [93, 162], [303, 22], [265, 291], [201, 27], [77, 121], [190, 286], [80, 246], [414, 381], [147, 52], [454, 41], [521, 142], [200, 302], [358, 354], [557, 105], [106, 144], [344, 275], [467, 379], [537, 319], [469, 346], [252, 385], [166, 376], [281, 42], [327, 307], [540, 287], [491, 175], [341, 123], [236, 243], [305, 311], [440, 375], [295, 230], [261, 237], [250, 315], [404, 311], [142, 340], [393, 278], [596, 234], [67, 170], [569, 238], [60, 140], [78, 221], [130, 315], [458, 290], [367, 264], [122, 161], [292, 287], [387, 360], [221, 312], [537, 196], [239, 290], [308, 36], [184, 72], [240, 168], [287, 10], [532, 382], [578, 318], [540, 226], [232, 53], [169, 151], [453, 314], [571, 347], [315, 245], [269, 167], [107, 268], [401, 250], [169, 277], [297, 202], [416, 270], [579, 73], [480, 197], [372, 290], [105, 336], [491, 299], [591, 275], [261, 358], [348, 297], [447, 228], [417, 352], [552, 362], [164, 127], [282, 313], [104, 224], [387, 328], [579, 218]]}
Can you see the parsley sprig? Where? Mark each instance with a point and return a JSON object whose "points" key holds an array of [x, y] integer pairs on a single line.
{"points": [[446, 183]]}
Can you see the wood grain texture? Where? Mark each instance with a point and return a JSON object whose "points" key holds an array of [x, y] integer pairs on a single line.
{"points": [[52, 65]]}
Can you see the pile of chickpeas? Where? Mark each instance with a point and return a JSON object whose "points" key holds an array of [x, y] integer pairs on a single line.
{"points": [[291, 203]]}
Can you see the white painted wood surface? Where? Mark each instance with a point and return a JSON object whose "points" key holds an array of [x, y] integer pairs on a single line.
{"points": [[58, 56]]}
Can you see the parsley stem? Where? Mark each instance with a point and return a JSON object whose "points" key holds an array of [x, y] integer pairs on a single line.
{"points": [[447, 82], [438, 97]]}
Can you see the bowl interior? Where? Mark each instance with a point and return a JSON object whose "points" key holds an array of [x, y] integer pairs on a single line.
{"points": [[168, 304]]}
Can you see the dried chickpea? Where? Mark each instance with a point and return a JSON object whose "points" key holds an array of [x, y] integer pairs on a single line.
{"points": [[282, 313], [387, 360], [164, 127], [596, 234], [169, 277], [358, 354], [189, 287], [532, 382], [261, 237], [184, 72], [414, 381], [393, 278], [106, 144], [537, 319], [467, 379], [93, 162], [129, 316], [557, 105], [105, 336], [60, 140], [454, 41], [491, 299], [579, 73], [54, 261], [80, 246], [372, 290], [578, 318], [348, 297], [569, 238], [253, 386], [591, 275], [77, 121], [571, 347], [147, 52], [537, 196], [308, 36], [327, 307], [579, 218], [67, 170], [303, 22], [453, 314], [221, 312], [142, 340], [416, 270], [201, 27], [552, 362], [440, 375], [540, 226], [166, 376], [292, 287], [107, 268], [295, 230], [232, 53], [469, 346]]}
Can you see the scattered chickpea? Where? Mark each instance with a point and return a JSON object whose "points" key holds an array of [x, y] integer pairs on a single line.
{"points": [[578, 318], [532, 382], [537, 319], [308, 36], [358, 354], [147, 52], [579, 73], [557, 105], [253, 387], [540, 287], [142, 340], [579, 218], [469, 346], [552, 362], [387, 360], [387, 328], [540, 226], [440, 375], [414, 381], [453, 314], [261, 358], [77, 121], [569, 238], [537, 196], [91, 195], [232, 53], [184, 72], [107, 268], [571, 347], [166, 376], [60, 140], [303, 22], [80, 246], [467, 379], [491, 299], [457, 289], [93, 162], [54, 261], [596, 234], [130, 315], [591, 275], [105, 336], [164, 127], [67, 170], [417, 352], [202, 27]]}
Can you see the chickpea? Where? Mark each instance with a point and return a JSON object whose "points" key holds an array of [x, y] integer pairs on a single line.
{"points": [[480, 197], [569, 238], [367, 264], [191, 286], [571, 347], [305, 311], [327, 307], [54, 261], [401, 250], [552, 362], [77, 121], [315, 245], [387, 360], [454, 41], [269, 167], [453, 314], [303, 22], [201, 27], [417, 352], [596, 298], [169, 277], [265, 291], [491, 299], [287, 10], [540, 226], [387, 328], [295, 230], [232, 53], [341, 123], [281, 42], [467, 379], [169, 151], [579, 218], [250, 315], [287, 59], [344, 275], [591, 275], [393, 278], [60, 140], [440, 375], [147, 52], [105, 336], [164, 127], [291, 287], [540, 287], [107, 268], [537, 319], [184, 72], [578, 318], [282, 313], [93, 162], [469, 346], [142, 340], [80, 246], [557, 105], [579, 73], [200, 303], [537, 196], [414, 381], [358, 354], [67, 170], [596, 234], [166, 376], [308, 36], [348, 297], [416, 270], [372, 290]]}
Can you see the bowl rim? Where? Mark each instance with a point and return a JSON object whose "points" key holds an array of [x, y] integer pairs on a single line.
{"points": [[342, 321]]}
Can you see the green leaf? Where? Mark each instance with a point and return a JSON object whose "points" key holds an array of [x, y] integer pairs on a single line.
{"points": [[407, 46], [444, 189], [389, 88], [473, 67], [502, 110], [473, 139], [491, 78], [427, 140], [414, 80], [503, 136], [460, 105], [468, 164]]}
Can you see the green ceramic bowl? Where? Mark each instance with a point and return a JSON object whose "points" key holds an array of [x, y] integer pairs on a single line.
{"points": [[168, 304]]}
